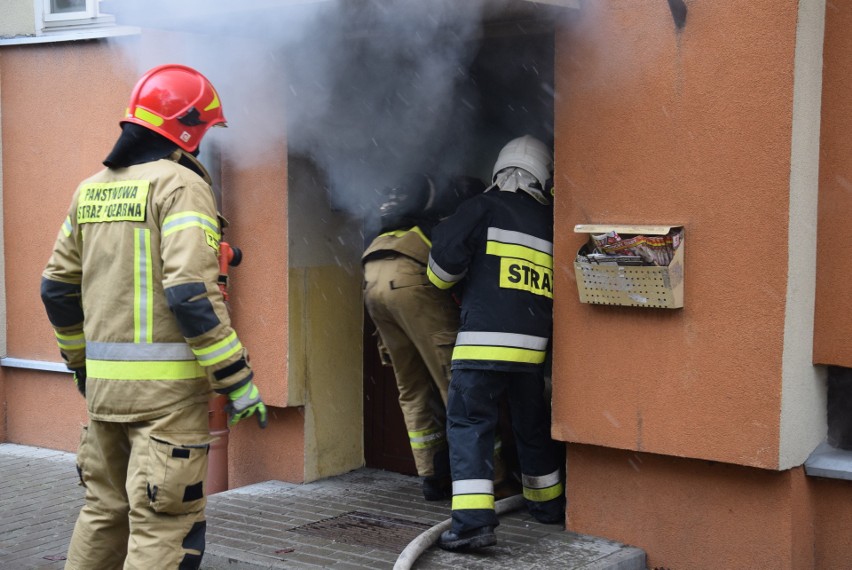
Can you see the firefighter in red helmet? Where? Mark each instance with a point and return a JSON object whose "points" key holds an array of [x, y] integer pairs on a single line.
{"points": [[131, 291]]}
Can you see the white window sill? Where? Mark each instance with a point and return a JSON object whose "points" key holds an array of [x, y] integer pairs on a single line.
{"points": [[70, 35], [830, 462], [34, 364]]}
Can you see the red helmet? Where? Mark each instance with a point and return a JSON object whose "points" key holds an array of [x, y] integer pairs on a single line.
{"points": [[177, 102]]}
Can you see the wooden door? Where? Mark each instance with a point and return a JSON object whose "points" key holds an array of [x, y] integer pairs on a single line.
{"points": [[386, 443]]}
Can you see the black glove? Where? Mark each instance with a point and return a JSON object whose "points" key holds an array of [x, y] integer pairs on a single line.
{"points": [[80, 380]]}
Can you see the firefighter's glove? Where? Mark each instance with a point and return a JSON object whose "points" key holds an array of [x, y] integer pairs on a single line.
{"points": [[80, 380], [244, 402]]}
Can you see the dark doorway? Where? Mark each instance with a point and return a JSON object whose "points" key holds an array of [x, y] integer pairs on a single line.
{"points": [[512, 80]]}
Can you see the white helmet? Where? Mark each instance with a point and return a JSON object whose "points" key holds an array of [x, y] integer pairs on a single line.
{"points": [[528, 153], [523, 164]]}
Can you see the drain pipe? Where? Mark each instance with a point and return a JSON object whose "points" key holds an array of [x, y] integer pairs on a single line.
{"points": [[420, 544]]}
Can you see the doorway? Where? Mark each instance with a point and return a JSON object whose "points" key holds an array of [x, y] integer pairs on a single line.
{"points": [[512, 79]]}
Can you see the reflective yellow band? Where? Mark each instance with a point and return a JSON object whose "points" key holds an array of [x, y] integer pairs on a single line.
{"points": [[426, 439], [415, 229], [148, 116], [440, 278], [66, 226], [542, 495], [220, 351], [144, 370], [184, 220], [465, 502], [499, 353], [520, 252], [519, 238], [214, 104], [70, 341], [143, 287]]}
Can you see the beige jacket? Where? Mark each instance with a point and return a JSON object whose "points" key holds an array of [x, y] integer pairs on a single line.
{"points": [[139, 251]]}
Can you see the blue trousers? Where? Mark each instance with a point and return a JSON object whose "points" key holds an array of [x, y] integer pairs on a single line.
{"points": [[472, 413]]}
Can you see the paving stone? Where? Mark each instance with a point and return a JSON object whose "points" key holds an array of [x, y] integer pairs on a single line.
{"points": [[252, 527]]}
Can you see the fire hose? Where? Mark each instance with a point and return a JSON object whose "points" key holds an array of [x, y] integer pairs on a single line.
{"points": [[420, 544]]}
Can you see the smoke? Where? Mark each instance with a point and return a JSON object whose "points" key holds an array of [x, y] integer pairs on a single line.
{"points": [[369, 90]]}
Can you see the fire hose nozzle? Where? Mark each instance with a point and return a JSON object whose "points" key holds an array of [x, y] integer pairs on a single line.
{"points": [[228, 256], [232, 254]]}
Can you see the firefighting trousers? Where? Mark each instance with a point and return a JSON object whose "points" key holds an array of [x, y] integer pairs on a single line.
{"points": [[472, 414], [145, 493], [417, 325]]}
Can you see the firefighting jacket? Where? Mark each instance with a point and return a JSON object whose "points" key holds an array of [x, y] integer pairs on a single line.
{"points": [[131, 291], [500, 244]]}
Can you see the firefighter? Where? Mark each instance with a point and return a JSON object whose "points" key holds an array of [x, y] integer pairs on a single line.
{"points": [[499, 246], [131, 291], [416, 323]]}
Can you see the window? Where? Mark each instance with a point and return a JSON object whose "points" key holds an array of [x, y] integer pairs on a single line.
{"points": [[64, 13]]}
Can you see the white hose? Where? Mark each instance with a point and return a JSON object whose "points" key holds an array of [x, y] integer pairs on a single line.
{"points": [[426, 539]]}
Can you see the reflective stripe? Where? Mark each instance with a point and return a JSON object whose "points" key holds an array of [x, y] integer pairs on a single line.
{"points": [[214, 104], [144, 370], [219, 351], [70, 341], [66, 226], [543, 495], [148, 116], [507, 347], [426, 439], [466, 502], [518, 238], [473, 494], [542, 488], [415, 229], [513, 340], [519, 252], [499, 353], [184, 220], [541, 481], [441, 278], [471, 486], [517, 245], [158, 351], [143, 287]]}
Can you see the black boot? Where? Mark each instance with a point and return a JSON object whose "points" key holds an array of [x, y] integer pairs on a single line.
{"points": [[469, 540], [437, 488]]}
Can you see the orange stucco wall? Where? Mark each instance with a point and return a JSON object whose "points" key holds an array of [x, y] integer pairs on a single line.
{"points": [[656, 126], [61, 104], [695, 514], [833, 327]]}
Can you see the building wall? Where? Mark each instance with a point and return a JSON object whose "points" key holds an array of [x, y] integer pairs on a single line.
{"points": [[701, 417], [700, 514], [691, 127], [833, 302], [17, 17]]}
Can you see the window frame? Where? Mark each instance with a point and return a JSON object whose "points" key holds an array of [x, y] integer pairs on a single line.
{"points": [[89, 14]]}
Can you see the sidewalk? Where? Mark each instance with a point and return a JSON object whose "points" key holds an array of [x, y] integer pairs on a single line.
{"points": [[361, 520]]}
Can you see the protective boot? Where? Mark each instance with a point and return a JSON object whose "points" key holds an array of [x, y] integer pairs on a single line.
{"points": [[470, 540], [439, 487]]}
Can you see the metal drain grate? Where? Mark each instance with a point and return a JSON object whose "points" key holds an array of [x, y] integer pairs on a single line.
{"points": [[366, 529]]}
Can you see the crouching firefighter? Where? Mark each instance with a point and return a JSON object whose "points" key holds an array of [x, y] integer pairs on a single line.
{"points": [[500, 246], [416, 324], [131, 291]]}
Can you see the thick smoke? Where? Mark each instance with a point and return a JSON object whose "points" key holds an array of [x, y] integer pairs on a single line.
{"points": [[369, 90]]}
